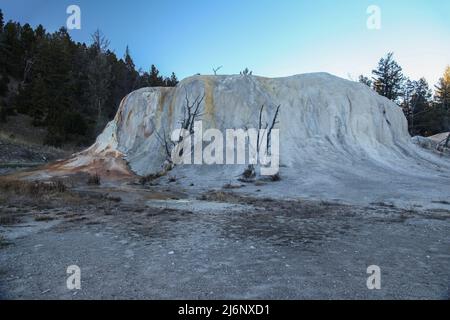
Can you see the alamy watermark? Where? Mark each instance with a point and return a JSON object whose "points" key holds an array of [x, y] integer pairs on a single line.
{"points": [[374, 280], [235, 147], [374, 19], [73, 282], [74, 20]]}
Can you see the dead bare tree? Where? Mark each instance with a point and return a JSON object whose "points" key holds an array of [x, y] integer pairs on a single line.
{"points": [[191, 113], [250, 173], [444, 144], [166, 143], [274, 122], [266, 127], [258, 144], [27, 70], [217, 69]]}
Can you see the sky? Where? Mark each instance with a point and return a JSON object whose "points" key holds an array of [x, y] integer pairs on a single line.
{"points": [[272, 38]]}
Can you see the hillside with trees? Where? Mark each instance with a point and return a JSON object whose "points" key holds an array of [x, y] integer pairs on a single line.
{"points": [[427, 114], [69, 88]]}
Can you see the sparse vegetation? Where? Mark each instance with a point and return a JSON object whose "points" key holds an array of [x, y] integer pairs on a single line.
{"points": [[8, 218], [3, 242], [442, 202], [150, 178], [275, 177], [94, 180], [43, 218], [249, 174], [114, 199], [246, 72], [232, 186], [32, 188]]}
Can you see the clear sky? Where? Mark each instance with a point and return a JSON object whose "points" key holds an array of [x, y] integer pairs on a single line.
{"points": [[272, 38]]}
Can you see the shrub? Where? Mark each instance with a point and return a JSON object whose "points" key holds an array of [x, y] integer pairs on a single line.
{"points": [[94, 180], [150, 178], [33, 188], [275, 177]]}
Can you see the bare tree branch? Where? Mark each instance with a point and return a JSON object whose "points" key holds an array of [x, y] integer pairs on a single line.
{"points": [[217, 69], [274, 122]]}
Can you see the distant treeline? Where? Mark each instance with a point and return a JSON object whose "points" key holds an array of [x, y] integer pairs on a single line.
{"points": [[427, 114], [70, 88]]}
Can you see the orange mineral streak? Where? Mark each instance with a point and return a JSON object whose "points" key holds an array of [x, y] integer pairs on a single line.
{"points": [[119, 116], [108, 164]]}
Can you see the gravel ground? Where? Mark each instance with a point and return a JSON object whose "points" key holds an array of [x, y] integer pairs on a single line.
{"points": [[267, 249]]}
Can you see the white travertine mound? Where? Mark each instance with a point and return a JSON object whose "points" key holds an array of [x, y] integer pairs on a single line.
{"points": [[333, 132]]}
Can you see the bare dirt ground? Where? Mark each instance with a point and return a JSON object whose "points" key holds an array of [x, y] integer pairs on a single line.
{"points": [[156, 242]]}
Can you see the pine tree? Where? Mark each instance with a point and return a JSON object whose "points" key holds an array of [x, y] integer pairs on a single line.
{"points": [[3, 74], [421, 113], [100, 79], [131, 77], [28, 43], [365, 80], [129, 61], [173, 80], [12, 48], [388, 78], [155, 80], [442, 94], [2, 22], [99, 42], [69, 88]]}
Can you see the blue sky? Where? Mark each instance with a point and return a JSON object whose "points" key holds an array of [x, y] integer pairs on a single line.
{"points": [[272, 38]]}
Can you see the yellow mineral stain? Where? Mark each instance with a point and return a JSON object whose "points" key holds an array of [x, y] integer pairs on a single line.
{"points": [[129, 116], [267, 84], [162, 99], [210, 109], [119, 115], [171, 105]]}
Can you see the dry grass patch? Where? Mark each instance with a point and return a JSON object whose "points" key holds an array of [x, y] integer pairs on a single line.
{"points": [[32, 188], [43, 218]]}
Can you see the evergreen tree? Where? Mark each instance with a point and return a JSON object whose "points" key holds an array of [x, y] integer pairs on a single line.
{"points": [[388, 78], [28, 41], [419, 103], [131, 74], [173, 81], [365, 80], [155, 80], [128, 60], [3, 74], [407, 92], [2, 22], [69, 88], [442, 94], [4, 79], [12, 49], [442, 100], [100, 78]]}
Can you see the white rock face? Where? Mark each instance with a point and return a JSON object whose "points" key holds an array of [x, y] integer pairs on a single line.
{"points": [[321, 115], [332, 131]]}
